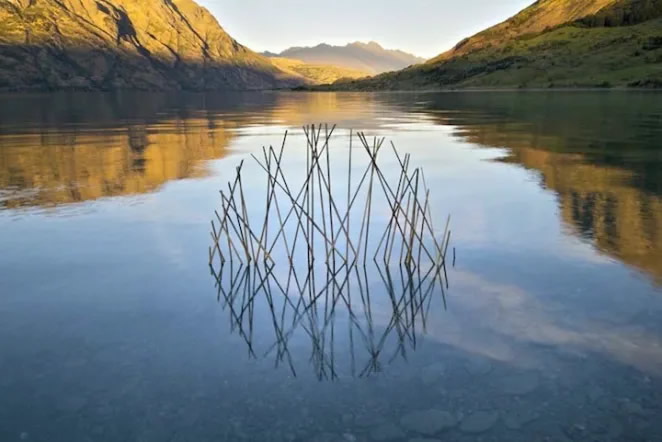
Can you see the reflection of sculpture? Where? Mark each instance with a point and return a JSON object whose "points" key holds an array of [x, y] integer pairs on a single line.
{"points": [[409, 294], [327, 248]]}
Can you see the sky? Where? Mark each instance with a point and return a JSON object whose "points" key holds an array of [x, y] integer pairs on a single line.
{"points": [[423, 27]]}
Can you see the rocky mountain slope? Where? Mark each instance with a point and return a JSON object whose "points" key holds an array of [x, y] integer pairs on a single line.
{"points": [[364, 57], [552, 43], [112, 44]]}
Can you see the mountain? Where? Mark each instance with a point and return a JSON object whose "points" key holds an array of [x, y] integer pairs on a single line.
{"points": [[538, 17], [316, 73], [552, 43], [364, 57], [113, 44]]}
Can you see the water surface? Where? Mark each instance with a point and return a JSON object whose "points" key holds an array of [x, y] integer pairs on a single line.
{"points": [[111, 328]]}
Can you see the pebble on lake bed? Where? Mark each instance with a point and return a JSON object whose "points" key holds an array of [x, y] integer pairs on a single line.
{"points": [[519, 384], [428, 422], [479, 422], [478, 367], [387, 432], [515, 420], [433, 373]]}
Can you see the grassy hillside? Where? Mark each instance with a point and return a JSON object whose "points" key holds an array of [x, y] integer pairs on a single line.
{"points": [[601, 43], [316, 73], [539, 17]]}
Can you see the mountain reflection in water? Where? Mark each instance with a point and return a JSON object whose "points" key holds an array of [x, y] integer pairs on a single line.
{"points": [[599, 153]]}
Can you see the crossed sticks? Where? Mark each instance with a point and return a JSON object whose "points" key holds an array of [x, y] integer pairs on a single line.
{"points": [[295, 218]]}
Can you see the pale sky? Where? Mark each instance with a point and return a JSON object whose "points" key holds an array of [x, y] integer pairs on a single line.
{"points": [[423, 27]]}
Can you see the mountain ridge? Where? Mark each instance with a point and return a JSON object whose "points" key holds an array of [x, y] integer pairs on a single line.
{"points": [[116, 44], [368, 57]]}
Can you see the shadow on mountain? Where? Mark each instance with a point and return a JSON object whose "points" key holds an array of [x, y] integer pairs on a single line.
{"points": [[48, 68]]}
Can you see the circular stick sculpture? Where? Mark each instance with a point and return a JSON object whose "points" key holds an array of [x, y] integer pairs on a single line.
{"points": [[313, 241]]}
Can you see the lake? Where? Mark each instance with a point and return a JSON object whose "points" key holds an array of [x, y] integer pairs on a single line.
{"points": [[112, 327]]}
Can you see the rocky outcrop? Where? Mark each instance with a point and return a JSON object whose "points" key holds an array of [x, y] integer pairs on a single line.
{"points": [[124, 44]]}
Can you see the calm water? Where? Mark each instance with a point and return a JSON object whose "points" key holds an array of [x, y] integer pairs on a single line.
{"points": [[111, 328]]}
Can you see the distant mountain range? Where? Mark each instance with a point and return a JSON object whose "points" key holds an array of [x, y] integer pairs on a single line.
{"points": [[552, 43], [115, 44], [370, 57], [176, 44]]}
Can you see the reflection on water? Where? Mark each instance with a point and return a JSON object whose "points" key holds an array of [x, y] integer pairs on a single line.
{"points": [[333, 320], [600, 153], [59, 149], [307, 287], [53, 168], [600, 203], [83, 148], [110, 330]]}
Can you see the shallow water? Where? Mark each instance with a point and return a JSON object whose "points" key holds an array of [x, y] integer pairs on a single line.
{"points": [[111, 327]]}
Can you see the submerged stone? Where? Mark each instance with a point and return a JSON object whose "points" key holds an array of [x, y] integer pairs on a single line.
{"points": [[479, 422], [428, 422], [631, 407], [518, 419], [615, 430], [327, 437], [519, 384], [478, 366], [432, 373], [387, 432], [72, 404], [594, 393]]}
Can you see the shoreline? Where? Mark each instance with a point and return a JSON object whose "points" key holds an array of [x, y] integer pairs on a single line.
{"points": [[10, 92]]}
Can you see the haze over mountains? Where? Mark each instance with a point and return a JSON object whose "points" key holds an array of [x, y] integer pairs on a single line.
{"points": [[370, 57], [113, 44], [552, 43]]}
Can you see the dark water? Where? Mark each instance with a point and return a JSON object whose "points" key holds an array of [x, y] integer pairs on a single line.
{"points": [[111, 327]]}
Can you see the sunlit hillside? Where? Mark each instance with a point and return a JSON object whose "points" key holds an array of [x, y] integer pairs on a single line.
{"points": [[553, 43], [316, 73], [539, 17], [124, 44]]}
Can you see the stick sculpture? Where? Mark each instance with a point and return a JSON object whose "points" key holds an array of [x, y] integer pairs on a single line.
{"points": [[307, 251]]}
